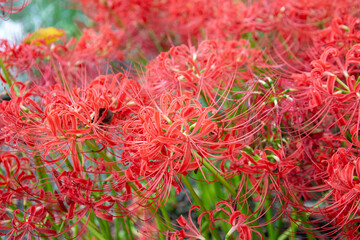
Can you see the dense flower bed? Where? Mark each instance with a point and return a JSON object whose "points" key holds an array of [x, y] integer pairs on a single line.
{"points": [[191, 119]]}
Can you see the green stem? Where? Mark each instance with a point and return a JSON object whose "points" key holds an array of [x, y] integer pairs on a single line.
{"points": [[105, 228], [155, 41], [294, 225], [226, 185], [228, 235], [60, 76], [117, 229], [123, 223], [256, 214], [342, 84], [160, 226], [92, 227], [285, 234], [95, 148], [42, 173], [165, 214], [219, 177], [129, 225], [6, 73], [268, 216], [278, 228], [75, 230], [339, 81], [186, 182], [306, 224], [293, 228]]}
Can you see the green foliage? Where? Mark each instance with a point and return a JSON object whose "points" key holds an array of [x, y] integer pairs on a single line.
{"points": [[51, 13]]}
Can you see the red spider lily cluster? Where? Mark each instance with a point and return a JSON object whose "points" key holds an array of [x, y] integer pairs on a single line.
{"points": [[186, 119]]}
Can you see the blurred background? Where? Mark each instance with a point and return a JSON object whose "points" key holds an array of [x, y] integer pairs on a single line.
{"points": [[43, 13], [63, 14]]}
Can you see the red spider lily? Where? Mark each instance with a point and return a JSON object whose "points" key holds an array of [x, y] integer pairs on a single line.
{"points": [[261, 175], [8, 7], [239, 222], [211, 72], [192, 230], [15, 117], [300, 47], [214, 20], [63, 59], [33, 223], [14, 176], [116, 14], [305, 26], [328, 96], [335, 87], [171, 142], [78, 197], [181, 20], [60, 120], [274, 118], [334, 190], [148, 230], [210, 69], [89, 204], [27, 118], [341, 34], [343, 168], [302, 16]]}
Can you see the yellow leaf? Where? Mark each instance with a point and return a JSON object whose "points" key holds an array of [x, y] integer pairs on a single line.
{"points": [[49, 35]]}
